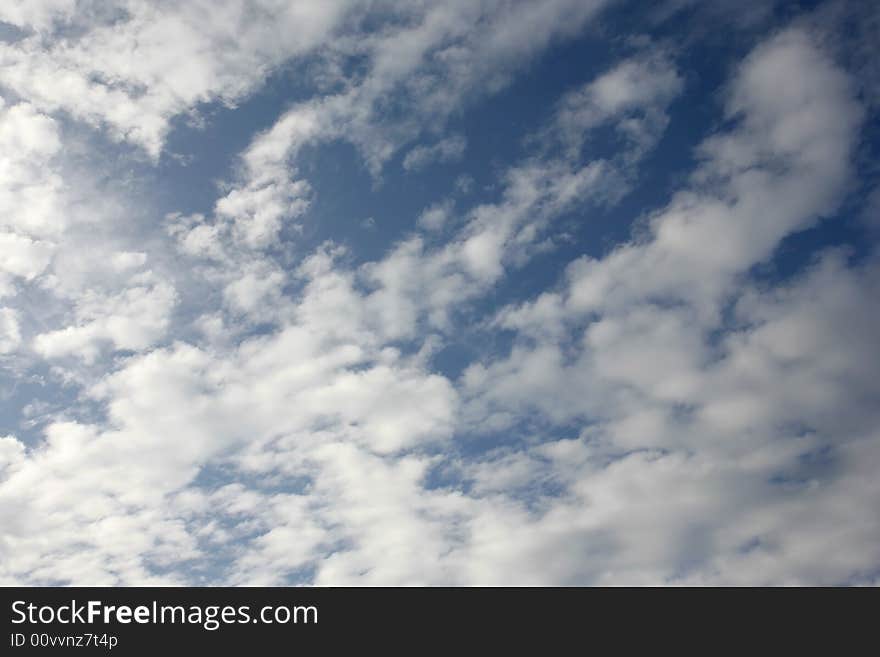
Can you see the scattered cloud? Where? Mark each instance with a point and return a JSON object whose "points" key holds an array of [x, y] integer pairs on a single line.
{"points": [[567, 373], [445, 150]]}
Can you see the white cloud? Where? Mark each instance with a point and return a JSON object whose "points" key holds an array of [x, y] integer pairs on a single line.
{"points": [[10, 334], [780, 170], [415, 282], [133, 319], [278, 401], [428, 61], [22, 256], [38, 14], [445, 150], [434, 217], [255, 288], [135, 65], [434, 61], [30, 187], [634, 95]]}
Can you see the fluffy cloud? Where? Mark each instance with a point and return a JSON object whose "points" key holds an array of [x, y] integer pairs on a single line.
{"points": [[135, 65], [432, 58], [633, 95], [715, 459], [29, 193], [10, 334], [134, 319], [251, 409]]}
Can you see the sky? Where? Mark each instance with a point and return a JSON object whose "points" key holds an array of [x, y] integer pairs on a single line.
{"points": [[469, 292]]}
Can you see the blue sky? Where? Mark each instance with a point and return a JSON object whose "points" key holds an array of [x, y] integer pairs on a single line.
{"points": [[541, 292]]}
